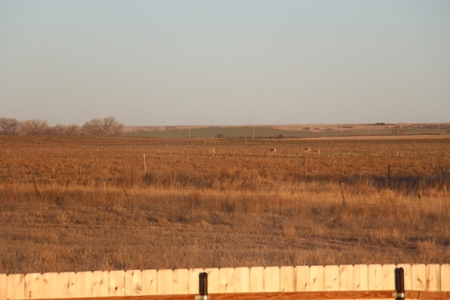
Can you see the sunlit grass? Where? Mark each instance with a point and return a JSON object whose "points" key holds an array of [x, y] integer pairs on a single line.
{"points": [[73, 204]]}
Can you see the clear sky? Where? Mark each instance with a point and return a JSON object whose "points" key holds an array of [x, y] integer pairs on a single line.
{"points": [[227, 62]]}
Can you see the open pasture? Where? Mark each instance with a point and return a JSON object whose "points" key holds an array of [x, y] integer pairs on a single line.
{"points": [[289, 131], [80, 203]]}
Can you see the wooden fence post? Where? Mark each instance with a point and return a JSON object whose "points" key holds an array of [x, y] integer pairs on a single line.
{"points": [[304, 168], [145, 165], [388, 179], [446, 201], [342, 193]]}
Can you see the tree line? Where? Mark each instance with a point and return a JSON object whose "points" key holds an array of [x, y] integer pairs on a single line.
{"points": [[108, 126]]}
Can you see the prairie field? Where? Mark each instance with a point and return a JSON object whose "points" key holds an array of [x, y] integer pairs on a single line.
{"points": [[87, 203]]}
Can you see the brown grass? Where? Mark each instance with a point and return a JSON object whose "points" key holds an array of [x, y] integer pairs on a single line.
{"points": [[74, 204]]}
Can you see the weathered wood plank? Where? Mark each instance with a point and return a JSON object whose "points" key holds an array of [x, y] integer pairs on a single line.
{"points": [[331, 278], [181, 282], [83, 284], [433, 279], [33, 286], [226, 280], [375, 276], [116, 284], [67, 284], [133, 283], [213, 280], [272, 279], [407, 275], [419, 277], [360, 278], [445, 277], [193, 280], [301, 278], [165, 282], [388, 277], [316, 280], [256, 279], [3, 285], [242, 280], [100, 284], [287, 279], [149, 282], [16, 286], [346, 278]]}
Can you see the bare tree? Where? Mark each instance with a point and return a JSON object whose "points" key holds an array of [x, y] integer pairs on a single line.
{"points": [[8, 126], [108, 126], [111, 126], [93, 127], [33, 127], [71, 130]]}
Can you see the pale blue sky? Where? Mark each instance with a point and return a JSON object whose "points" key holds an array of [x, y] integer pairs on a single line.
{"points": [[225, 62]]}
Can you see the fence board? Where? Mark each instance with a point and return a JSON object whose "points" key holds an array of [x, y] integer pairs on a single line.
{"points": [[419, 281], [83, 287], [346, 278], [116, 284], [33, 286], [165, 282], [301, 278], [181, 281], [16, 286], [433, 277], [445, 277], [133, 282], [360, 278], [193, 280], [316, 280], [3, 285], [287, 279], [256, 279], [242, 280], [407, 275], [50, 285], [213, 280], [375, 277], [271, 279], [388, 277], [420, 277], [66, 285], [331, 278], [100, 284], [226, 280], [149, 282]]}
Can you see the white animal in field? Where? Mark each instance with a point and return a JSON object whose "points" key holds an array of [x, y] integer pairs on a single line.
{"points": [[316, 151], [306, 150], [273, 150]]}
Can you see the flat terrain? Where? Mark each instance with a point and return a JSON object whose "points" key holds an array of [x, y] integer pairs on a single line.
{"points": [[80, 203], [290, 131]]}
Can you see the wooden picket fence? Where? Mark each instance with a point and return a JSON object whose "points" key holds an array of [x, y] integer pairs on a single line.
{"points": [[269, 280]]}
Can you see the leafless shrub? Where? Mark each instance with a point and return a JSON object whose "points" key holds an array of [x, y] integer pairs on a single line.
{"points": [[8, 126], [69, 130], [108, 126], [33, 127]]}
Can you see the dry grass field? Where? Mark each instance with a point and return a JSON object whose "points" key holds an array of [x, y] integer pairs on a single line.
{"points": [[81, 203]]}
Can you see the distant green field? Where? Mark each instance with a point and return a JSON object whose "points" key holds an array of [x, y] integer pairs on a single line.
{"points": [[268, 132]]}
